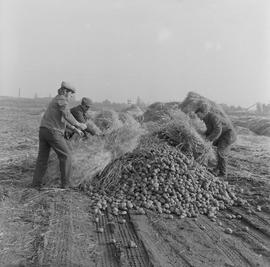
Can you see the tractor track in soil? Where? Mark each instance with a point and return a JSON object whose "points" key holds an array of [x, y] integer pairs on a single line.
{"points": [[162, 245], [253, 237], [258, 224], [224, 245], [65, 237], [120, 253]]}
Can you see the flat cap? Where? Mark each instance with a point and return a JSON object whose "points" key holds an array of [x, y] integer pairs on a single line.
{"points": [[68, 86], [87, 101]]}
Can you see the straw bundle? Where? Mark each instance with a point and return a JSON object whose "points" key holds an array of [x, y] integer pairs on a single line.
{"points": [[181, 133], [109, 178], [128, 119], [193, 100], [92, 127], [157, 112], [89, 158], [133, 110], [173, 105], [125, 138], [107, 121], [116, 144]]}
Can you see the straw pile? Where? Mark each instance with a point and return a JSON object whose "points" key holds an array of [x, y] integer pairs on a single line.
{"points": [[124, 139], [157, 112], [127, 119], [173, 105], [91, 156], [88, 158], [258, 125], [179, 132], [193, 100], [160, 178], [92, 127], [133, 110], [107, 121]]}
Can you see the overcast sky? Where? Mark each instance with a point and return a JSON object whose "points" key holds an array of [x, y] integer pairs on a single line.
{"points": [[120, 49]]}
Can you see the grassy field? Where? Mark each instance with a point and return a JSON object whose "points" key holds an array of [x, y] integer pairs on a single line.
{"points": [[56, 227]]}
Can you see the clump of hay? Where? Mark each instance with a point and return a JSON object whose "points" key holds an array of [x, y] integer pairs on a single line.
{"points": [[157, 112], [127, 119], [91, 114], [160, 112], [107, 121], [151, 126], [133, 110], [92, 155], [115, 145], [125, 138], [174, 105], [180, 132], [193, 100], [197, 123], [89, 158], [92, 127]]}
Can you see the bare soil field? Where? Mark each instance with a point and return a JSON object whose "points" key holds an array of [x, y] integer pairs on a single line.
{"points": [[55, 227]]}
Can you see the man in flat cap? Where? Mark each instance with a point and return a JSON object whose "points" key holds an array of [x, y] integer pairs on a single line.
{"points": [[219, 131], [80, 114], [51, 135]]}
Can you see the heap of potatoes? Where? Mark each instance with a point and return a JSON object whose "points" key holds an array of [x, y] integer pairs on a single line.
{"points": [[162, 179]]}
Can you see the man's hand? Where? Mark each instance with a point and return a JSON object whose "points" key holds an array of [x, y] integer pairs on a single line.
{"points": [[78, 131], [82, 126]]}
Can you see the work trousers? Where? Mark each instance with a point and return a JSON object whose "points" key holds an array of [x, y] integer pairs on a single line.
{"points": [[52, 139], [223, 144]]}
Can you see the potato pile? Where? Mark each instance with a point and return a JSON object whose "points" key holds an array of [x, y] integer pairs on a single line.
{"points": [[162, 179]]}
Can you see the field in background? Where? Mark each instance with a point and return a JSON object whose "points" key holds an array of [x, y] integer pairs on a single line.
{"points": [[56, 227]]}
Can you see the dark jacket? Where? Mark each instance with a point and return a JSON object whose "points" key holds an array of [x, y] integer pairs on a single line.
{"points": [[79, 114], [218, 127]]}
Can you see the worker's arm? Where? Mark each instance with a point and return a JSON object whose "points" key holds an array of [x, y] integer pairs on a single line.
{"points": [[217, 128], [74, 129], [63, 106]]}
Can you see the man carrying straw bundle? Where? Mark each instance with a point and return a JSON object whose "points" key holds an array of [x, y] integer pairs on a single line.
{"points": [[51, 135], [219, 131]]}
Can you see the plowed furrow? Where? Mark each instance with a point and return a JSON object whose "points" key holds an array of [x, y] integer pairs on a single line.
{"points": [[135, 256], [107, 257], [120, 254], [170, 245], [260, 225], [232, 253]]}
